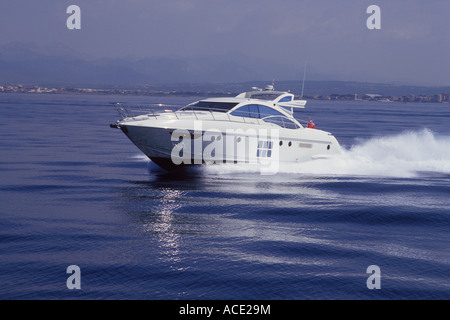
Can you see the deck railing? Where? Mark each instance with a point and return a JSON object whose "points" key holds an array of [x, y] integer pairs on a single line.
{"points": [[142, 113]]}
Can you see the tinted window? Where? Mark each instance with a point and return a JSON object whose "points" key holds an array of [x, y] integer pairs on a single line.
{"points": [[282, 122], [286, 99], [241, 112], [266, 111], [256, 111], [211, 106], [253, 110]]}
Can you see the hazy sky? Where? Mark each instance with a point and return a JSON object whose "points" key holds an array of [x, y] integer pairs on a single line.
{"points": [[413, 45]]}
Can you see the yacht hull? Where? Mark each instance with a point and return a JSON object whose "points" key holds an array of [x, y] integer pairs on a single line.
{"points": [[175, 144]]}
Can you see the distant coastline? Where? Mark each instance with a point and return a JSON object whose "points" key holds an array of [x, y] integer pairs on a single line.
{"points": [[320, 90]]}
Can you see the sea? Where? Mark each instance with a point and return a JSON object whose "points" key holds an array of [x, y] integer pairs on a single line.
{"points": [[85, 215]]}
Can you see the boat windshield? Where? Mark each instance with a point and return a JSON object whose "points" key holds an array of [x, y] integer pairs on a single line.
{"points": [[210, 106]]}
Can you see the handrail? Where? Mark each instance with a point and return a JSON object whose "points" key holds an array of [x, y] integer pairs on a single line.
{"points": [[126, 113]]}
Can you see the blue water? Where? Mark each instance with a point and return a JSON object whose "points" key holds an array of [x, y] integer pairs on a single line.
{"points": [[75, 192]]}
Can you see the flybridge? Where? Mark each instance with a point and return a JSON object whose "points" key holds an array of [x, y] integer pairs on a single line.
{"points": [[282, 99]]}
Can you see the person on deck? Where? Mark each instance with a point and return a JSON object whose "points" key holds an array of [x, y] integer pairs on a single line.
{"points": [[311, 124]]}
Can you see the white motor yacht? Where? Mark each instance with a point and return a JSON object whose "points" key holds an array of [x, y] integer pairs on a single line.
{"points": [[256, 127]]}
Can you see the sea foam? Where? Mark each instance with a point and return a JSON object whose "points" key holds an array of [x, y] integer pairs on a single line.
{"points": [[404, 155]]}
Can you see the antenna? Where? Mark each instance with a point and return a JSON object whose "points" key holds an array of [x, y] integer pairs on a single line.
{"points": [[304, 74]]}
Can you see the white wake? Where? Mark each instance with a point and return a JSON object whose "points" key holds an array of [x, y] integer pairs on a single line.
{"points": [[408, 154]]}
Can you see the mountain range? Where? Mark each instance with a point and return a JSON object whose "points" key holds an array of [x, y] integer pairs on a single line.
{"points": [[25, 64], [22, 63]]}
